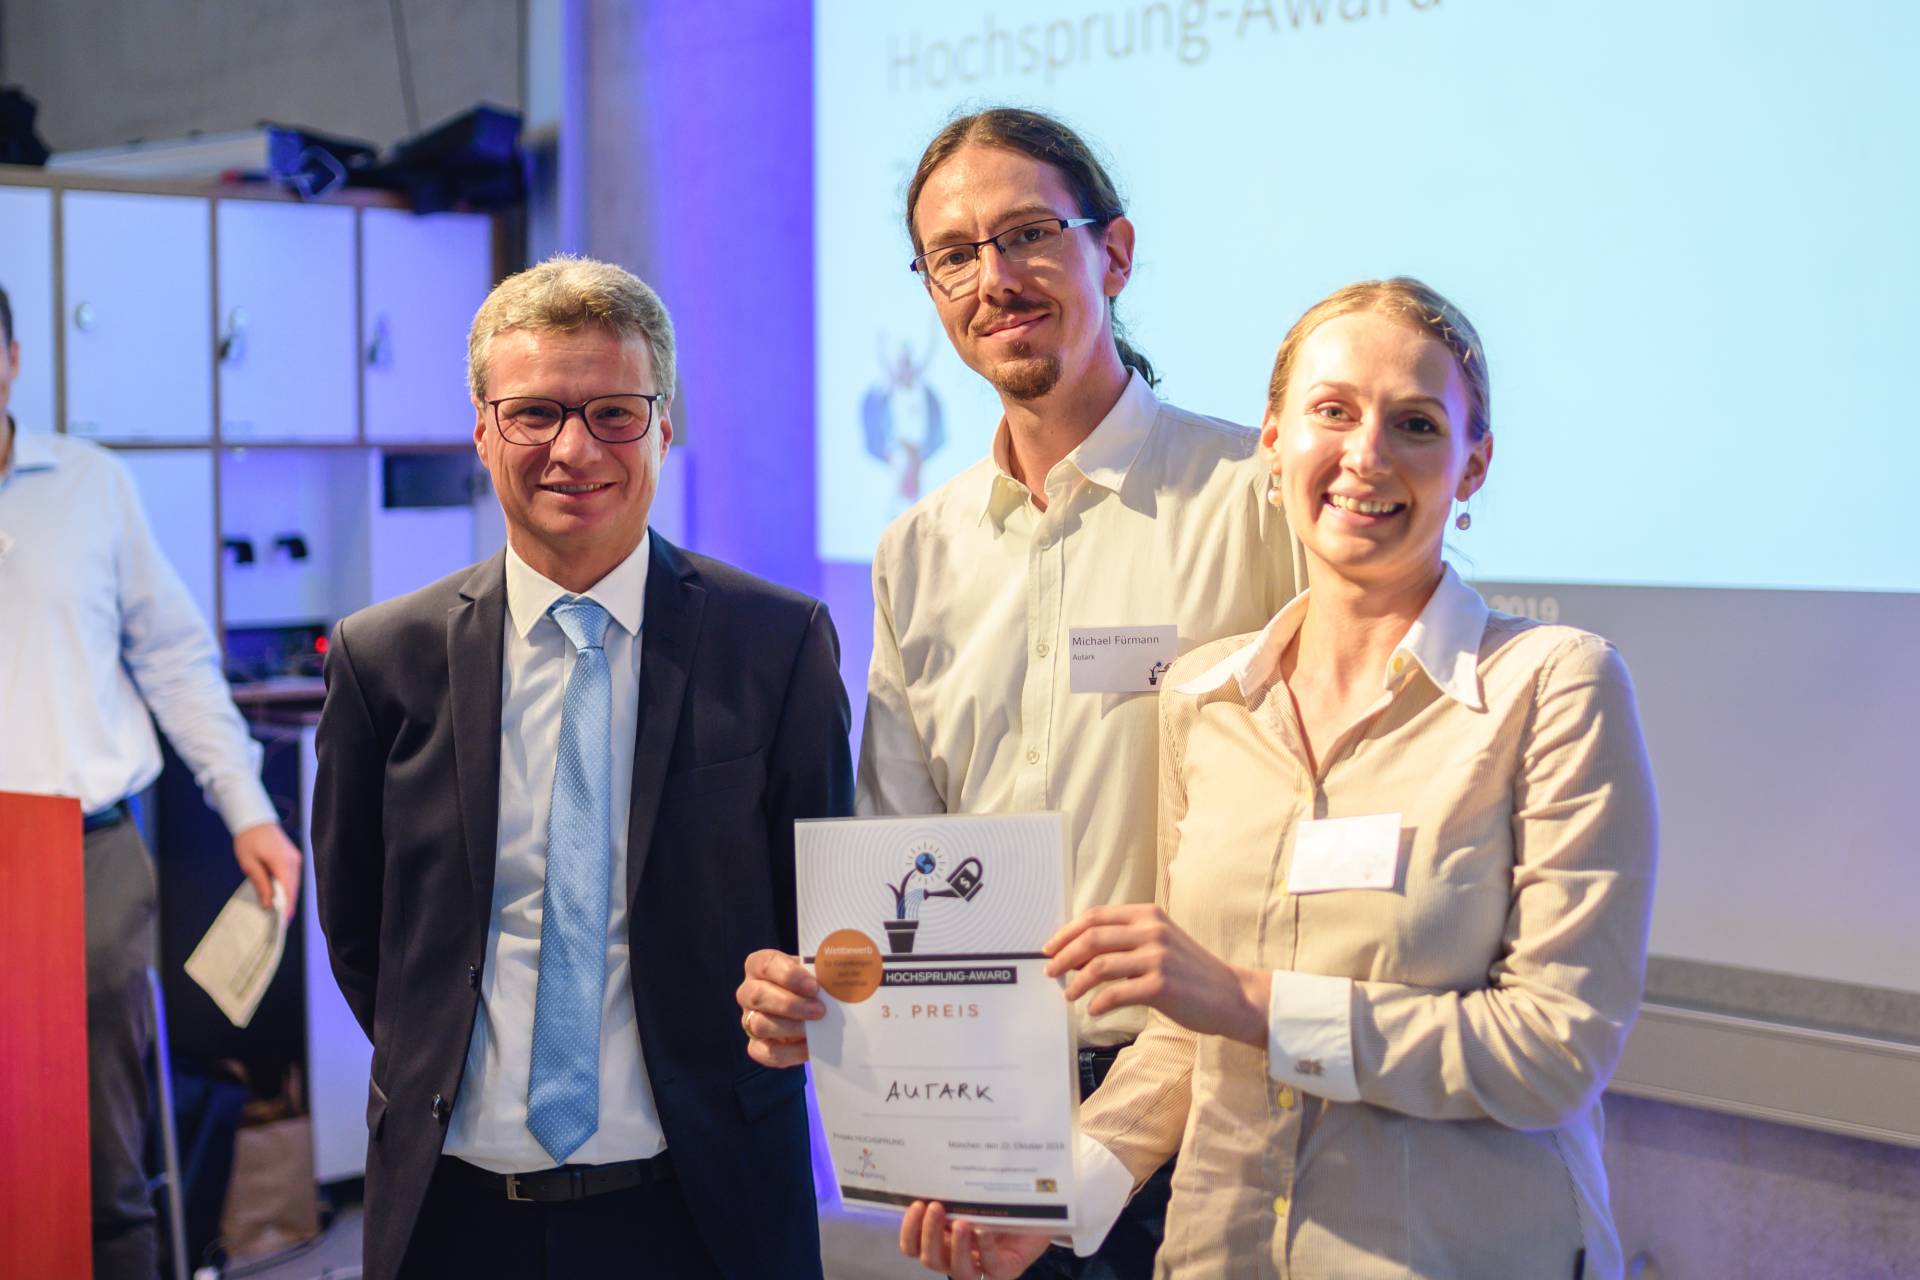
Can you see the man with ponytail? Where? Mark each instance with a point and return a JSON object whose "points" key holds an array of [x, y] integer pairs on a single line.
{"points": [[1100, 507]]}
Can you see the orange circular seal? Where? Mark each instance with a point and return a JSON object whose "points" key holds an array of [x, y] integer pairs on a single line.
{"points": [[848, 965]]}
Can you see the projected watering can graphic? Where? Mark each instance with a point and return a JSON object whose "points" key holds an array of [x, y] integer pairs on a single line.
{"points": [[963, 883]]}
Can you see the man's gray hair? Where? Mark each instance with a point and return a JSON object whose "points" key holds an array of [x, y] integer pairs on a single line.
{"points": [[571, 292]]}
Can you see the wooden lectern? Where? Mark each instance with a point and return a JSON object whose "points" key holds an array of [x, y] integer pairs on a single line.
{"points": [[45, 1217]]}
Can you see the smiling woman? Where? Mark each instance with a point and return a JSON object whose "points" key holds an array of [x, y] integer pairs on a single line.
{"points": [[1377, 423], [1378, 1045]]}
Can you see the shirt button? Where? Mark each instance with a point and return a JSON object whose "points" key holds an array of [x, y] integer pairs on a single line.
{"points": [[439, 1107], [1284, 1097], [1399, 665], [473, 977], [1033, 755], [1041, 648], [1279, 1206]]}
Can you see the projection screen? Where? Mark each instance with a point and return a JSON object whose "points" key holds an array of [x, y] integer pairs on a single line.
{"points": [[1687, 235]]}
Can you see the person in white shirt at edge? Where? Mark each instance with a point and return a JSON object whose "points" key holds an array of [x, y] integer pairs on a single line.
{"points": [[1373, 1075], [96, 631], [1099, 507]]}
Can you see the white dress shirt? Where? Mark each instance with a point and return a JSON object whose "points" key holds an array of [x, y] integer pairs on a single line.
{"points": [[96, 630], [1159, 517], [489, 1125]]}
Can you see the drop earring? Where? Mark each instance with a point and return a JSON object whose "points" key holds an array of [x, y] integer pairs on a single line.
{"points": [[1463, 522], [1273, 491]]}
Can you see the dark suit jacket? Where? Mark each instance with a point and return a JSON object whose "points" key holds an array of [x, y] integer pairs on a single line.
{"points": [[742, 729]]}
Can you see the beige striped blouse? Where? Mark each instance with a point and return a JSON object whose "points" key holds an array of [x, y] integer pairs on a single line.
{"points": [[1429, 1102]]}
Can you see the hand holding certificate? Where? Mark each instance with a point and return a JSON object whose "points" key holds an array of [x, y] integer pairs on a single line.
{"points": [[944, 1064], [241, 952]]}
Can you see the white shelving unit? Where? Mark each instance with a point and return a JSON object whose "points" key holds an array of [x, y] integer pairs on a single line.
{"points": [[252, 359]]}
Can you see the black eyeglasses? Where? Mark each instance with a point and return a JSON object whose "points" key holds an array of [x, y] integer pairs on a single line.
{"points": [[620, 419], [953, 265]]}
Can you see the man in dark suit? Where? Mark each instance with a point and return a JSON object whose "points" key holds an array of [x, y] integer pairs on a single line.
{"points": [[554, 811]]}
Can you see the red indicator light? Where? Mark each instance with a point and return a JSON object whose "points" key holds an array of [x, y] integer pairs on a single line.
{"points": [[319, 644]]}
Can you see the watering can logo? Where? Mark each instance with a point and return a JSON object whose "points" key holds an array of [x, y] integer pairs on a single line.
{"points": [[966, 878], [925, 865]]}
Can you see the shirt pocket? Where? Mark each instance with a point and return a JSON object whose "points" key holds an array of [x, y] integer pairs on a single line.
{"points": [[1458, 882]]}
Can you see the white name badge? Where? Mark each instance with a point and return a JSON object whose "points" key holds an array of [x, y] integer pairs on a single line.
{"points": [[1345, 853], [1120, 659]]}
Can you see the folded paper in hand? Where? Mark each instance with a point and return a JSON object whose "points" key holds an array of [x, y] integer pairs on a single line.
{"points": [[241, 952]]}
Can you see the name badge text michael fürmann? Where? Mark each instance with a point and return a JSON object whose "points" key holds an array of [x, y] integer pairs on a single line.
{"points": [[1120, 659]]}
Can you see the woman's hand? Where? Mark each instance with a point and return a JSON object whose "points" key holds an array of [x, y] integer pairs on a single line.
{"points": [[1136, 955], [962, 1250]]}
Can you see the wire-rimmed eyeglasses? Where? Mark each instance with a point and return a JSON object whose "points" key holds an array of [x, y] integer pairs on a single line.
{"points": [[952, 265], [616, 419]]}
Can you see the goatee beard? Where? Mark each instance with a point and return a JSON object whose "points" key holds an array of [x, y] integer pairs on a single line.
{"points": [[1026, 376]]}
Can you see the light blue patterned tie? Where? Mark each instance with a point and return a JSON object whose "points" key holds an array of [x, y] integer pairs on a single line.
{"points": [[563, 1083]]}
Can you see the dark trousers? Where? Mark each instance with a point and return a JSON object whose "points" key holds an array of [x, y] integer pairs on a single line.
{"points": [[120, 911], [643, 1231]]}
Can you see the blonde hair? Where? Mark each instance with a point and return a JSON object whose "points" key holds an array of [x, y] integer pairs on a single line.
{"points": [[1407, 300], [571, 292]]}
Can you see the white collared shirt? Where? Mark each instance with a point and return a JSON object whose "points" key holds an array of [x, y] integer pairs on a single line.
{"points": [[489, 1125], [96, 630], [1159, 517]]}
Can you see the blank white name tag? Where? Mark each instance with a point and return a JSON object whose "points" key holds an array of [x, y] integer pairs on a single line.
{"points": [[1120, 659], [1345, 853]]}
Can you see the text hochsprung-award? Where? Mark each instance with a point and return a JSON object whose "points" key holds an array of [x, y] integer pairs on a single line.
{"points": [[944, 1065]]}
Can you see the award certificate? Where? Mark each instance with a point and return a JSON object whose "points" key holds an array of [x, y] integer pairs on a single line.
{"points": [[944, 1066]]}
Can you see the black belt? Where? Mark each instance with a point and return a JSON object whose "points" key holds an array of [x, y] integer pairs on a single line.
{"points": [[568, 1182], [111, 816], [1094, 1065]]}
